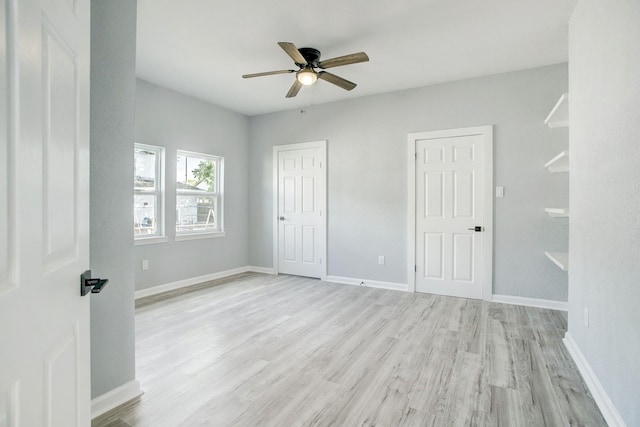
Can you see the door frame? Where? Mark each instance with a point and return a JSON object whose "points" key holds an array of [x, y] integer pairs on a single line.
{"points": [[487, 133], [322, 194]]}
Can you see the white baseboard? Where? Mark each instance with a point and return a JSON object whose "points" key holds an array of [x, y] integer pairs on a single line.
{"points": [[531, 302], [155, 290], [115, 397], [608, 409], [188, 282], [369, 283], [265, 270]]}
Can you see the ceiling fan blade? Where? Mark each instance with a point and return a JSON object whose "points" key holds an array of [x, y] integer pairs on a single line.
{"points": [[295, 88], [267, 73], [338, 81], [354, 58], [293, 52]]}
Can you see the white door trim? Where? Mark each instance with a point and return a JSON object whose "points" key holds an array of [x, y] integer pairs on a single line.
{"points": [[487, 132], [322, 196]]}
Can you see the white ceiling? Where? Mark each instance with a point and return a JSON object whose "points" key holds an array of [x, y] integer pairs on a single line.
{"points": [[202, 47]]}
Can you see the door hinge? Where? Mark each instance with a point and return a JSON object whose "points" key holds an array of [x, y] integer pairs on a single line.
{"points": [[415, 268], [416, 155]]}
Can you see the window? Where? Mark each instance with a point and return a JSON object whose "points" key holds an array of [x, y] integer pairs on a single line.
{"points": [[147, 193], [199, 190]]}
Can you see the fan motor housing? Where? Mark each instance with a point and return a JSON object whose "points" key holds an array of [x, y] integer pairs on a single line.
{"points": [[311, 55]]}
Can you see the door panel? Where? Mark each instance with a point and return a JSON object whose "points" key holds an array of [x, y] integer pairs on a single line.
{"points": [[434, 255], [59, 151], [463, 194], [463, 257], [463, 153], [433, 155], [44, 213], [434, 182], [308, 162], [289, 195], [308, 244], [61, 373], [289, 243], [308, 194], [449, 202], [301, 195]]}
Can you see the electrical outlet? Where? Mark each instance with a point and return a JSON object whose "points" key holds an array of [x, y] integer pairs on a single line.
{"points": [[145, 264], [586, 317], [499, 191], [381, 260]]}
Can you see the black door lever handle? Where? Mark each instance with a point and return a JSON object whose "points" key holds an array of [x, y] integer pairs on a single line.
{"points": [[88, 284]]}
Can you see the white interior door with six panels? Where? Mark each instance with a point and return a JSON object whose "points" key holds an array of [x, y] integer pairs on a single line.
{"points": [[44, 213], [449, 205], [301, 182]]}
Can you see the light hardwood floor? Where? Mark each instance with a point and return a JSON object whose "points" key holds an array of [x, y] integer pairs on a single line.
{"points": [[260, 350]]}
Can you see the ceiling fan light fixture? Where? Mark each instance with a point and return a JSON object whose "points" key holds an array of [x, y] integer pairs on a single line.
{"points": [[307, 59], [307, 76]]}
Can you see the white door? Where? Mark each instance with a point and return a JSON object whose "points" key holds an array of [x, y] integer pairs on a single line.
{"points": [[451, 222], [44, 213], [301, 209]]}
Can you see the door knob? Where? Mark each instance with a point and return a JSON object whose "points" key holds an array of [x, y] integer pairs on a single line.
{"points": [[281, 218], [477, 228], [87, 284]]}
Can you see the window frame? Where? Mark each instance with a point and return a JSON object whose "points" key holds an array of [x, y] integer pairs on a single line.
{"points": [[218, 195], [159, 192]]}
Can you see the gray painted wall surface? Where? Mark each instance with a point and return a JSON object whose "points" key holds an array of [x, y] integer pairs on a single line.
{"points": [[367, 174], [604, 84], [175, 121], [113, 34]]}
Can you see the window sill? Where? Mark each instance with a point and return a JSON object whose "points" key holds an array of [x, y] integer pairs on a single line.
{"points": [[149, 240], [195, 236]]}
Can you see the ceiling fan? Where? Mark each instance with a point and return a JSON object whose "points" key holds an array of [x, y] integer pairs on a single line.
{"points": [[308, 59]]}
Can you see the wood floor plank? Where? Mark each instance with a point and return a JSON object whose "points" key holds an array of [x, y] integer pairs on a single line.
{"points": [[500, 360], [464, 403], [472, 326], [534, 385], [505, 408], [263, 350], [435, 381]]}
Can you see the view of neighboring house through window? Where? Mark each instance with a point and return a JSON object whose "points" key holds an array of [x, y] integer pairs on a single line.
{"points": [[147, 193], [199, 190]]}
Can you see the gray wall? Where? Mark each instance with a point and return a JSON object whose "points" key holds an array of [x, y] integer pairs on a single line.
{"points": [[113, 33], [367, 197], [175, 121], [604, 57]]}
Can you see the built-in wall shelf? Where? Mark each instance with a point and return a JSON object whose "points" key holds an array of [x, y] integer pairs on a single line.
{"points": [[559, 163], [559, 115], [561, 259], [557, 212]]}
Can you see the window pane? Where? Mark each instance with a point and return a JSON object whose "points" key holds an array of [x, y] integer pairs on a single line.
{"points": [[144, 221], [196, 213], [196, 173], [145, 169]]}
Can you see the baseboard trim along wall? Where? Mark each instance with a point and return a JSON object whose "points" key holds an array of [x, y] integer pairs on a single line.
{"points": [[606, 406], [265, 270], [115, 397], [503, 299], [531, 302], [199, 279], [369, 283]]}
